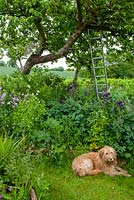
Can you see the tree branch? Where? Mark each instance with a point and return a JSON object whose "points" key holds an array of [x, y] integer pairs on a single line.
{"points": [[39, 27], [83, 26], [79, 16], [37, 59]]}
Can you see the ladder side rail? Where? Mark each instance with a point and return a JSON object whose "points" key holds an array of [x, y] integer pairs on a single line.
{"points": [[102, 58], [104, 63], [93, 65]]}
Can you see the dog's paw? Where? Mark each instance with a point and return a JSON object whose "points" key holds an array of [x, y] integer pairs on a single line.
{"points": [[128, 175]]}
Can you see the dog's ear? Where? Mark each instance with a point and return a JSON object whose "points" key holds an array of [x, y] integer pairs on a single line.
{"points": [[101, 152]]}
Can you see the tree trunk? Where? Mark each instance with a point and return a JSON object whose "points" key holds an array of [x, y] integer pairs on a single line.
{"points": [[76, 75]]}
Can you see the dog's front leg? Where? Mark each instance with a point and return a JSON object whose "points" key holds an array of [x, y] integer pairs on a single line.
{"points": [[124, 172], [117, 173], [120, 169]]}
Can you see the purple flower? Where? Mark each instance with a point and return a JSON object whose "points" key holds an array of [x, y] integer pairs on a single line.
{"points": [[106, 97], [3, 96], [121, 103], [16, 99], [8, 189], [106, 94], [15, 104], [0, 196]]}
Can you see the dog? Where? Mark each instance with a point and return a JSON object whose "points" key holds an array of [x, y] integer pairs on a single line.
{"points": [[93, 163]]}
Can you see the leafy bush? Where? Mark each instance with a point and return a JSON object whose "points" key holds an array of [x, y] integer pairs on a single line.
{"points": [[23, 97], [39, 106], [27, 115], [20, 172]]}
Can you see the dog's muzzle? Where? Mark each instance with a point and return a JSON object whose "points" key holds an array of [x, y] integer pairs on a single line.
{"points": [[110, 160]]}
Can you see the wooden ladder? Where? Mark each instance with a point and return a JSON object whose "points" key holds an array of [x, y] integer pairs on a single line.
{"points": [[96, 47]]}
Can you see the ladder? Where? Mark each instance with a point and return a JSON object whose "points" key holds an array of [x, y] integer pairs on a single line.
{"points": [[96, 47]]}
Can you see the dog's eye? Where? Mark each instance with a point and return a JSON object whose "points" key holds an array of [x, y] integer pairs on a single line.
{"points": [[112, 152], [106, 153]]}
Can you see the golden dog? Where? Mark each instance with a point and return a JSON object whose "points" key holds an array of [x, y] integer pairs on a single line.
{"points": [[93, 163]]}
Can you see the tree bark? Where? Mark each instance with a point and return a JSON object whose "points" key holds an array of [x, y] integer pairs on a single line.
{"points": [[76, 76], [38, 59]]}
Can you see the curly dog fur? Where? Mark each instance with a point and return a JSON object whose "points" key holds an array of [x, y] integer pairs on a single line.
{"points": [[93, 163]]}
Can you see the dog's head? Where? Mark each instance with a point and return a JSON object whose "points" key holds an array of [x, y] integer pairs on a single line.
{"points": [[108, 154]]}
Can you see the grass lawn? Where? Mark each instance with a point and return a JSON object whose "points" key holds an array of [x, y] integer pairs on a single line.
{"points": [[6, 70], [10, 70], [65, 186], [65, 74]]}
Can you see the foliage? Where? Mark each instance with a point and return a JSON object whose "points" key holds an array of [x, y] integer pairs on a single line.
{"points": [[120, 62], [36, 26], [22, 101], [59, 123], [7, 149], [43, 122], [99, 122], [2, 64], [26, 115], [20, 172]]}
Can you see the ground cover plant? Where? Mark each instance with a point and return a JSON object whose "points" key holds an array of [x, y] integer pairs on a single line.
{"points": [[60, 122]]}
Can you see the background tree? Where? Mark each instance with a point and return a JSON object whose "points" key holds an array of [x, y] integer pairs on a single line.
{"points": [[78, 57], [120, 61], [2, 63], [55, 26]]}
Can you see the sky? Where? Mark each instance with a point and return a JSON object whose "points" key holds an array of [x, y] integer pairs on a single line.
{"points": [[59, 63]]}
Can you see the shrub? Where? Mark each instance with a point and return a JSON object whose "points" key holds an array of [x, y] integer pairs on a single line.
{"points": [[44, 111], [27, 115], [23, 99], [20, 172]]}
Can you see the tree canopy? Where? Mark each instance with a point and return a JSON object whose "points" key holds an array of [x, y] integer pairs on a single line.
{"points": [[29, 28]]}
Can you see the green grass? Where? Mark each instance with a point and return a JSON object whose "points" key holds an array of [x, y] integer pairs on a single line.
{"points": [[10, 70], [6, 70], [65, 186], [65, 74]]}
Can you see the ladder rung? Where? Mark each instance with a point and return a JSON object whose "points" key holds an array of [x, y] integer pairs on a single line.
{"points": [[97, 58], [95, 38], [99, 67], [100, 76], [100, 92], [101, 84]]}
